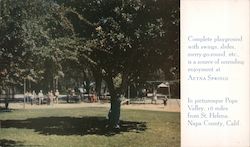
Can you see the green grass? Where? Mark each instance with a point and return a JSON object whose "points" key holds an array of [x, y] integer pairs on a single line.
{"points": [[86, 127]]}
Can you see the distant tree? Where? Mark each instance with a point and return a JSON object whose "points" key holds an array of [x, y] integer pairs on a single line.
{"points": [[36, 39]]}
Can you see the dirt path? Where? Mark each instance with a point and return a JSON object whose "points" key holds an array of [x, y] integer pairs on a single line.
{"points": [[173, 105]]}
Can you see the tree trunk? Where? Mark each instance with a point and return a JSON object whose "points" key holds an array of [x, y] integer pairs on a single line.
{"points": [[98, 82], [87, 82], [7, 95], [114, 113], [115, 105], [6, 103]]}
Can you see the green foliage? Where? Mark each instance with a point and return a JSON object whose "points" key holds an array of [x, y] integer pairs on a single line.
{"points": [[36, 39], [131, 38], [117, 81], [44, 39]]}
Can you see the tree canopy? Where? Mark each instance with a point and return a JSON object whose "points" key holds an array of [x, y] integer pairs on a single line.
{"points": [[124, 42], [36, 39], [130, 39]]}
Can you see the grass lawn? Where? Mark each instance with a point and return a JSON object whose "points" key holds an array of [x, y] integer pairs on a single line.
{"points": [[86, 127]]}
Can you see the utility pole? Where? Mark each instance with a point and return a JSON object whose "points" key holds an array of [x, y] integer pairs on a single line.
{"points": [[24, 91], [128, 92]]}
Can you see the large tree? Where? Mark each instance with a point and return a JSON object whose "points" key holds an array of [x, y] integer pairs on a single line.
{"points": [[129, 39], [36, 39]]}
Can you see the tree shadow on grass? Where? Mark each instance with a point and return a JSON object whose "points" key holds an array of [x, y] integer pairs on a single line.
{"points": [[3, 109], [73, 126], [9, 143]]}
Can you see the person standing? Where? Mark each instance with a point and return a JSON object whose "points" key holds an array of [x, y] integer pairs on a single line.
{"points": [[50, 97], [40, 97], [33, 97], [154, 99], [26, 95], [56, 96]]}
